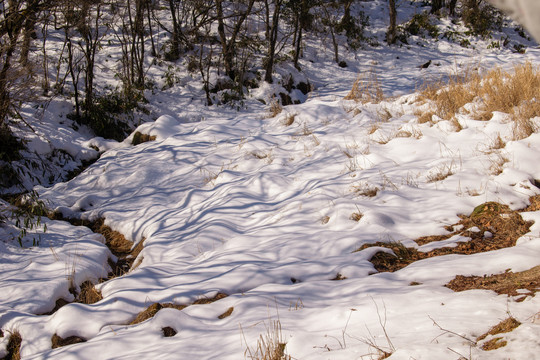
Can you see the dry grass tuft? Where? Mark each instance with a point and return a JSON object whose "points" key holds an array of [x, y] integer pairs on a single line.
{"points": [[366, 88], [534, 203], [275, 108], [89, 294], [14, 346], [152, 310], [440, 173], [365, 189], [449, 97], [227, 313], [515, 93], [207, 300], [270, 346], [425, 117], [139, 138], [289, 119], [58, 341], [504, 326], [356, 216]]}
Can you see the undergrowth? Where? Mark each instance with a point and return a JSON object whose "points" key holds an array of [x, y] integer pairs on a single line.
{"points": [[515, 93]]}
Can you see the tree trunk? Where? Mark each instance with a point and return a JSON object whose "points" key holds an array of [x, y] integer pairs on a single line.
{"points": [[436, 5], [391, 34], [272, 32]]}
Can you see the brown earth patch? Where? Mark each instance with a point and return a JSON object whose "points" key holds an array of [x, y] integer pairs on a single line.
{"points": [[227, 313], [58, 341], [498, 227], [139, 138], [89, 294], [119, 246], [168, 331], [206, 300], [339, 277], [535, 203], [507, 283], [115, 241], [153, 309], [504, 326], [14, 346]]}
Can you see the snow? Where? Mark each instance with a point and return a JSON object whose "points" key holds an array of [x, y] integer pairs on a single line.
{"points": [[239, 203]]}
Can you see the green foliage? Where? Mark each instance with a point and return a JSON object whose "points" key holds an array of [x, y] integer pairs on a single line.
{"points": [[481, 18], [420, 25], [9, 145], [27, 216], [104, 116], [354, 27]]}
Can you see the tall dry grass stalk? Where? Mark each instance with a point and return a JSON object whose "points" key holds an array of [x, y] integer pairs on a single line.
{"points": [[366, 88], [516, 93], [270, 346]]}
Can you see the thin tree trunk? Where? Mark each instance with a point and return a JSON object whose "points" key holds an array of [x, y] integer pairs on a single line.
{"points": [[391, 34]]}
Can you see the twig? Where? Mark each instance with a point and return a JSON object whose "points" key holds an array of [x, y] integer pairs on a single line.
{"points": [[446, 331]]}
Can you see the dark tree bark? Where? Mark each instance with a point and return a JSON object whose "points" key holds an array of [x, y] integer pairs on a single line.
{"points": [[271, 37], [436, 5], [391, 34], [228, 44]]}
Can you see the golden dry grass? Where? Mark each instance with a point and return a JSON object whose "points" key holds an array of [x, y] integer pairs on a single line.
{"points": [[89, 294], [515, 93], [270, 346], [14, 346], [366, 88], [275, 108], [504, 326]]}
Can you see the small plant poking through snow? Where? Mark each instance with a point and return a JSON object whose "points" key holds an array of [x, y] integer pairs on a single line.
{"points": [[364, 189], [366, 88], [270, 346], [27, 215], [14, 346]]}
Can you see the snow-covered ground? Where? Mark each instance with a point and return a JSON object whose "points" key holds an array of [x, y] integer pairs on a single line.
{"points": [[238, 202]]}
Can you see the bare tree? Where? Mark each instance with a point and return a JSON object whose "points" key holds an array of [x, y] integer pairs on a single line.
{"points": [[272, 28], [229, 38]]}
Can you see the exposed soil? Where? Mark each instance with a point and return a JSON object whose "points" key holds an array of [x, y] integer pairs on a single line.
{"points": [[168, 331], [507, 283], [139, 138], [115, 241], [13, 347], [495, 226], [504, 326], [153, 309], [58, 341], [227, 313], [119, 246]]}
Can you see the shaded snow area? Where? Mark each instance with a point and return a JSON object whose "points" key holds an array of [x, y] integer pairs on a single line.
{"points": [[263, 208]]}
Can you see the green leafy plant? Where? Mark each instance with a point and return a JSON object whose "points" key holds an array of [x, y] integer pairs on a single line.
{"points": [[27, 216]]}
